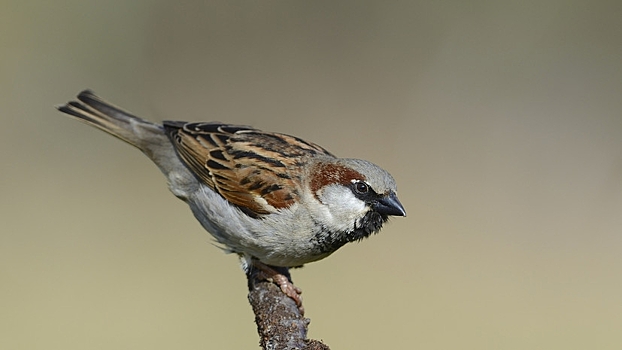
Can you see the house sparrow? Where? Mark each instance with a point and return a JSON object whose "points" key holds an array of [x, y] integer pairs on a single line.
{"points": [[274, 199]]}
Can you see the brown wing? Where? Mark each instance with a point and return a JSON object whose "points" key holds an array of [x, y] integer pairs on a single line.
{"points": [[248, 167]]}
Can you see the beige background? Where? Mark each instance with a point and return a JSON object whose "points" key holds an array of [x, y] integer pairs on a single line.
{"points": [[502, 123]]}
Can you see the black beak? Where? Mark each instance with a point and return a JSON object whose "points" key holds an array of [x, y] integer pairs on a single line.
{"points": [[389, 205]]}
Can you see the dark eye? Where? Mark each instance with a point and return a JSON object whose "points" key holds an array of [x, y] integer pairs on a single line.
{"points": [[361, 187]]}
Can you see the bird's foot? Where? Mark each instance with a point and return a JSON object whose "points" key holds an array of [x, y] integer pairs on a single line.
{"points": [[281, 279]]}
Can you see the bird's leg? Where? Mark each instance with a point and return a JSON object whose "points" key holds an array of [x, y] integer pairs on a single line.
{"points": [[280, 276]]}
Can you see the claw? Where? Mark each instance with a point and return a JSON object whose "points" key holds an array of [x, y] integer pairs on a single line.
{"points": [[287, 287]]}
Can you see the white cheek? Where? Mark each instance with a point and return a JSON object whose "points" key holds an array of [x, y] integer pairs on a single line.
{"points": [[341, 200], [341, 209]]}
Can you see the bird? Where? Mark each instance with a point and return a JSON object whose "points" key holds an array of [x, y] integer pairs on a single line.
{"points": [[274, 199]]}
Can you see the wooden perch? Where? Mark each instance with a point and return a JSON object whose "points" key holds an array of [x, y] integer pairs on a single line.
{"points": [[280, 324]]}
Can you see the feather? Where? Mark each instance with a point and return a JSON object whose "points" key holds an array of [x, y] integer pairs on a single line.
{"points": [[250, 168]]}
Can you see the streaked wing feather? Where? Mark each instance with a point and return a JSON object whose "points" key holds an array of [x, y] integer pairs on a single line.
{"points": [[248, 167]]}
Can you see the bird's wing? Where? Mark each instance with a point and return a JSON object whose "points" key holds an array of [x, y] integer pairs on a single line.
{"points": [[258, 171]]}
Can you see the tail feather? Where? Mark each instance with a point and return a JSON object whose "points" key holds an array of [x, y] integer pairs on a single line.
{"points": [[149, 137], [94, 111]]}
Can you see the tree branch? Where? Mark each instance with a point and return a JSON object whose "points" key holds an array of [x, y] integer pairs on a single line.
{"points": [[280, 323]]}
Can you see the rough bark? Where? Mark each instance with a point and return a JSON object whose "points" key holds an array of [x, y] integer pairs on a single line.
{"points": [[280, 323]]}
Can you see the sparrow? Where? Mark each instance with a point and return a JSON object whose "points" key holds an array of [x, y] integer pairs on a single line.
{"points": [[274, 199]]}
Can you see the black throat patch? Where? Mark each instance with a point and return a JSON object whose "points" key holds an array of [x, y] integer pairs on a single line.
{"points": [[370, 223]]}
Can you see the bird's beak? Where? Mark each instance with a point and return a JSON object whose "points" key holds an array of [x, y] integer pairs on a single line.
{"points": [[390, 205]]}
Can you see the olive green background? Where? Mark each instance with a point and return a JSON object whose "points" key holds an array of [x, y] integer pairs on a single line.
{"points": [[501, 122]]}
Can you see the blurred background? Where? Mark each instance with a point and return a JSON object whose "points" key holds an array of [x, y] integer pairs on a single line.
{"points": [[501, 122]]}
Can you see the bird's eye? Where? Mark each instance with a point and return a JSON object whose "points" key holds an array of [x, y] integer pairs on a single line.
{"points": [[361, 187]]}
